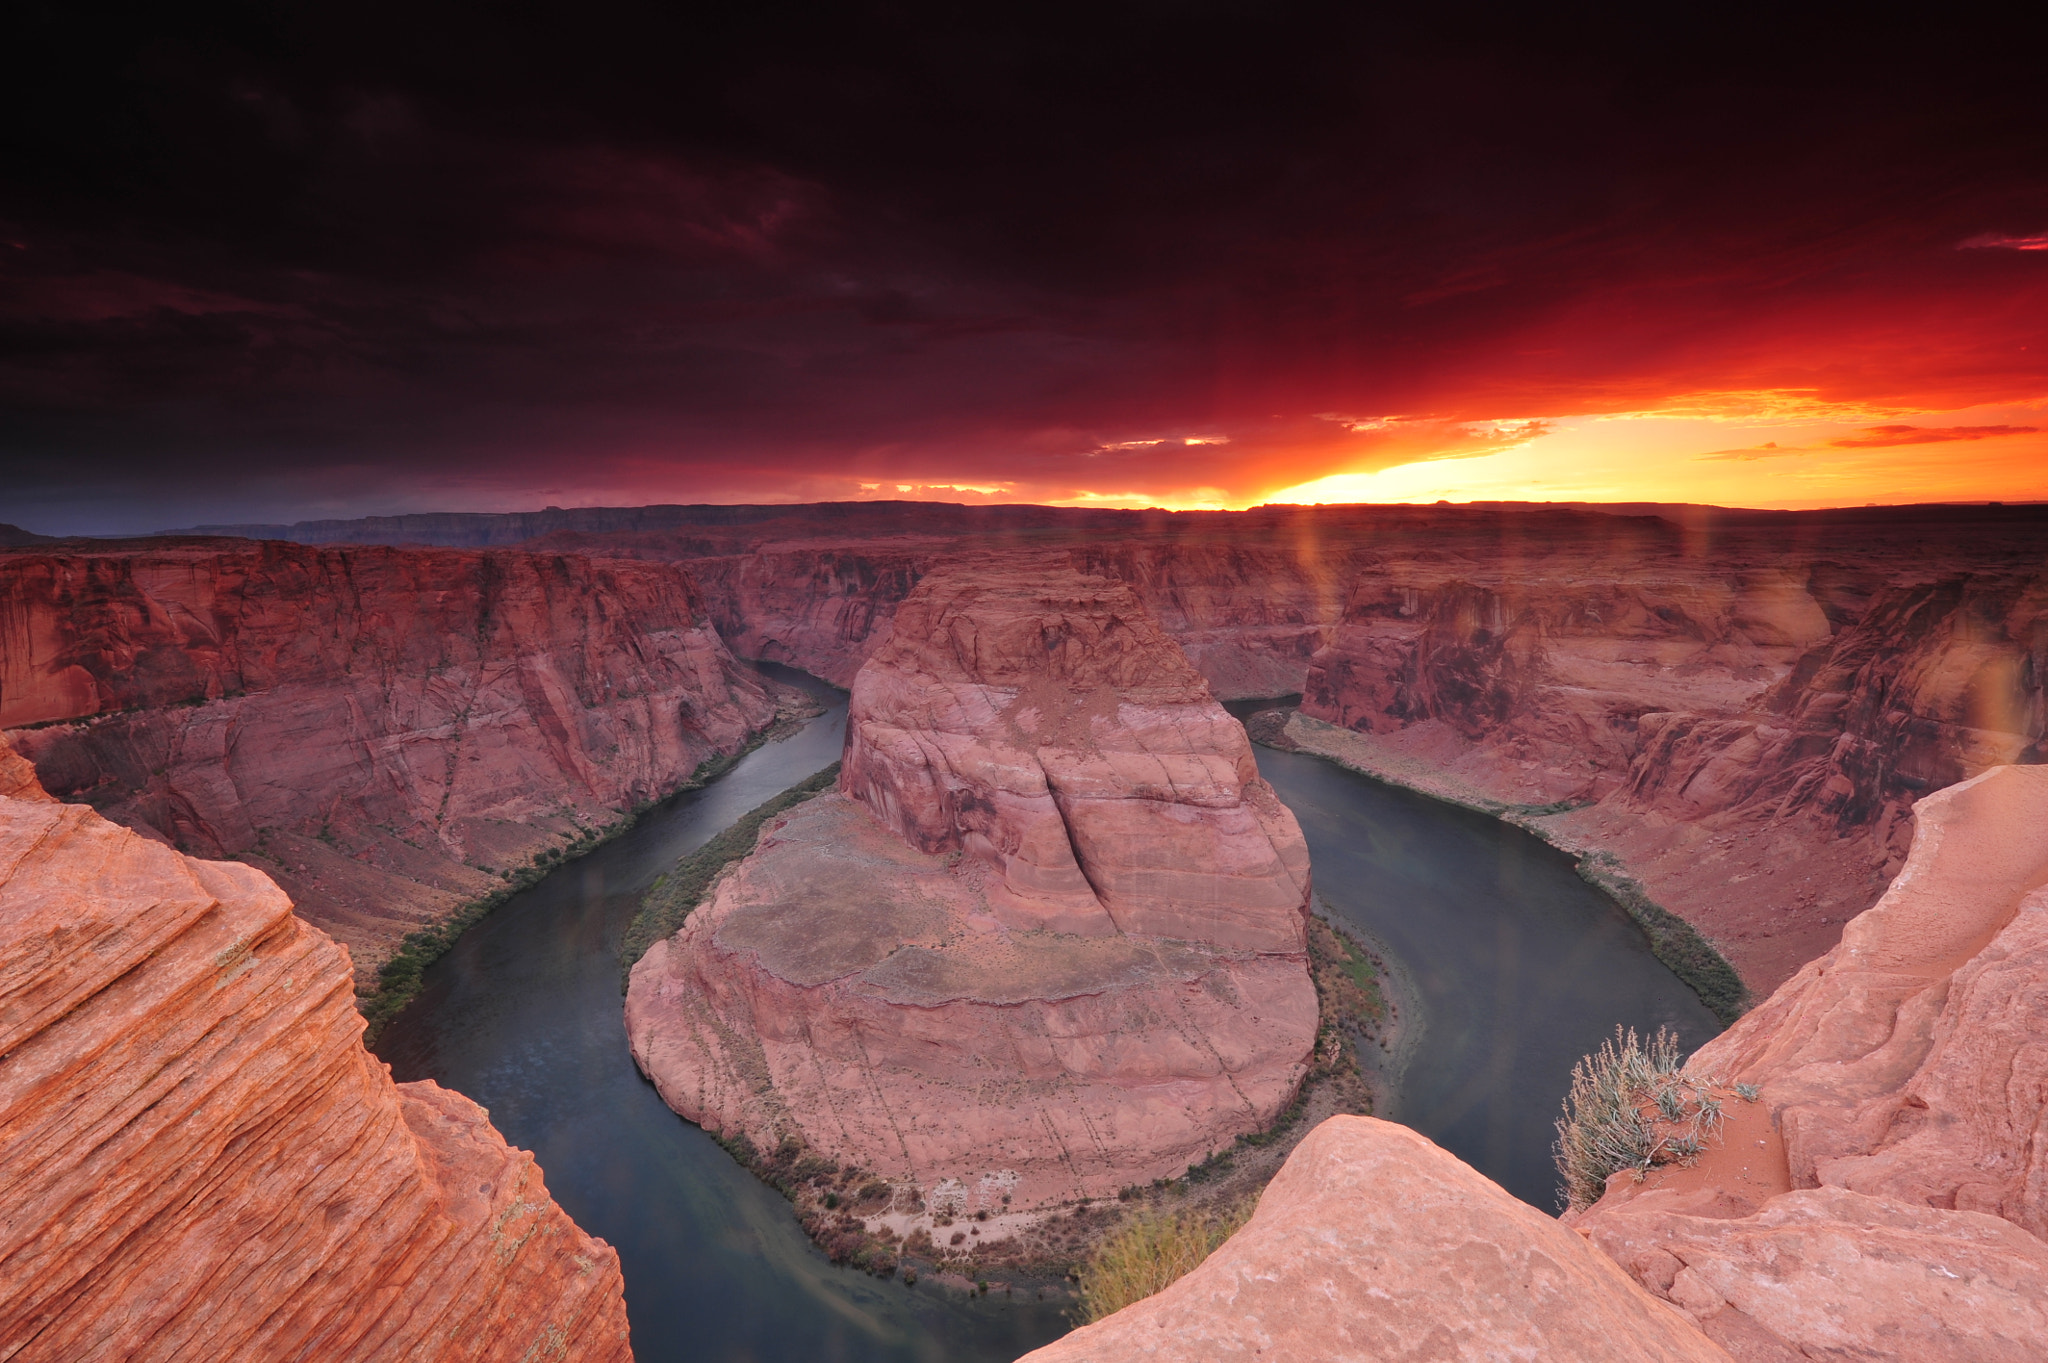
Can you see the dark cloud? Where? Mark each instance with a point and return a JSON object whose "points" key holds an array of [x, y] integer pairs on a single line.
{"points": [[265, 259]]}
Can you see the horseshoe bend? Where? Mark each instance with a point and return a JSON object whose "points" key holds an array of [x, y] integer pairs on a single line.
{"points": [[1045, 941]]}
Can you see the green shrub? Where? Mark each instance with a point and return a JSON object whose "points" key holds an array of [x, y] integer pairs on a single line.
{"points": [[1149, 1252], [1630, 1107]]}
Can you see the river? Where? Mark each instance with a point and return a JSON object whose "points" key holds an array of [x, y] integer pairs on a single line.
{"points": [[1518, 968]]}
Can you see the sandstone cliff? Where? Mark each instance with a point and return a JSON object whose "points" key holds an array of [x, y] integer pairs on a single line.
{"points": [[1886, 1197], [1048, 941], [1371, 1243], [1749, 740], [199, 1160], [387, 732], [1746, 702]]}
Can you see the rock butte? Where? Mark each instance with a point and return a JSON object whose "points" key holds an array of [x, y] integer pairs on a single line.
{"points": [[1372, 1243], [1905, 1085], [199, 1160], [382, 731], [1047, 940]]}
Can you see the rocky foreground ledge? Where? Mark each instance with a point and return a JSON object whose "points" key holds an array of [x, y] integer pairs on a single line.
{"points": [[1888, 1196], [1878, 1189], [199, 1160], [1047, 940]]}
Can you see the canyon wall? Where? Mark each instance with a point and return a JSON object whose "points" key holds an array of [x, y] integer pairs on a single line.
{"points": [[198, 1159], [1885, 1195], [1747, 741], [1741, 705], [388, 732], [1047, 940]]}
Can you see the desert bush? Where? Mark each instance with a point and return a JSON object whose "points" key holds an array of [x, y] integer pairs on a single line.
{"points": [[1151, 1251], [1631, 1106]]}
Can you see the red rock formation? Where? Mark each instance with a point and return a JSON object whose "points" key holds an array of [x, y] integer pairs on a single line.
{"points": [[384, 730], [1371, 1243], [1050, 942], [199, 1160], [1753, 699], [1752, 760], [1905, 1089], [1044, 724]]}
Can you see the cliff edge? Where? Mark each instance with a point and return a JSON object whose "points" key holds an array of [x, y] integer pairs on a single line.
{"points": [[1886, 1194], [1372, 1243], [199, 1159]]}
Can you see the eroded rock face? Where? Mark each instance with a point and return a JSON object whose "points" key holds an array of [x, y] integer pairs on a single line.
{"points": [[1048, 939], [1906, 1087], [1372, 1243], [1043, 723], [199, 1159], [383, 730], [1749, 703]]}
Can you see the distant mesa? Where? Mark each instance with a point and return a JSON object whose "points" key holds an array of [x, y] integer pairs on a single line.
{"points": [[1047, 940]]}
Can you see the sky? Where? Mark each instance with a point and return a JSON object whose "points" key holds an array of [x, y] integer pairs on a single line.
{"points": [[272, 262]]}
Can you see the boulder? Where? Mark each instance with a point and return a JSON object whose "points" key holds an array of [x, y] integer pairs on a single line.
{"points": [[1372, 1243]]}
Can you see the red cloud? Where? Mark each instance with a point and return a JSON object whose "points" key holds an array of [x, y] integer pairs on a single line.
{"points": [[1879, 437], [1999, 241]]}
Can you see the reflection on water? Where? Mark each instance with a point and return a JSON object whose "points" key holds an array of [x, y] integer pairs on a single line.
{"points": [[1519, 967], [524, 1016]]}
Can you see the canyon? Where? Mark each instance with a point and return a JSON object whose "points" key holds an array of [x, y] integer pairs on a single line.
{"points": [[1738, 709], [1734, 710], [1046, 940], [389, 734], [199, 1159]]}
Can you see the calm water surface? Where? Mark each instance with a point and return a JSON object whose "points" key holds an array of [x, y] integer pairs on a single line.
{"points": [[1518, 968], [525, 1016]]}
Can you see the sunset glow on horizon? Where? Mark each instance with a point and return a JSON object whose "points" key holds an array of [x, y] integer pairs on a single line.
{"points": [[1205, 262]]}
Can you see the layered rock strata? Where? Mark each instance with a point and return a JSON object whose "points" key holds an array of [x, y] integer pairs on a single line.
{"points": [[1744, 704], [1372, 1243], [1888, 1196], [1749, 743], [199, 1160], [387, 732], [1047, 940]]}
